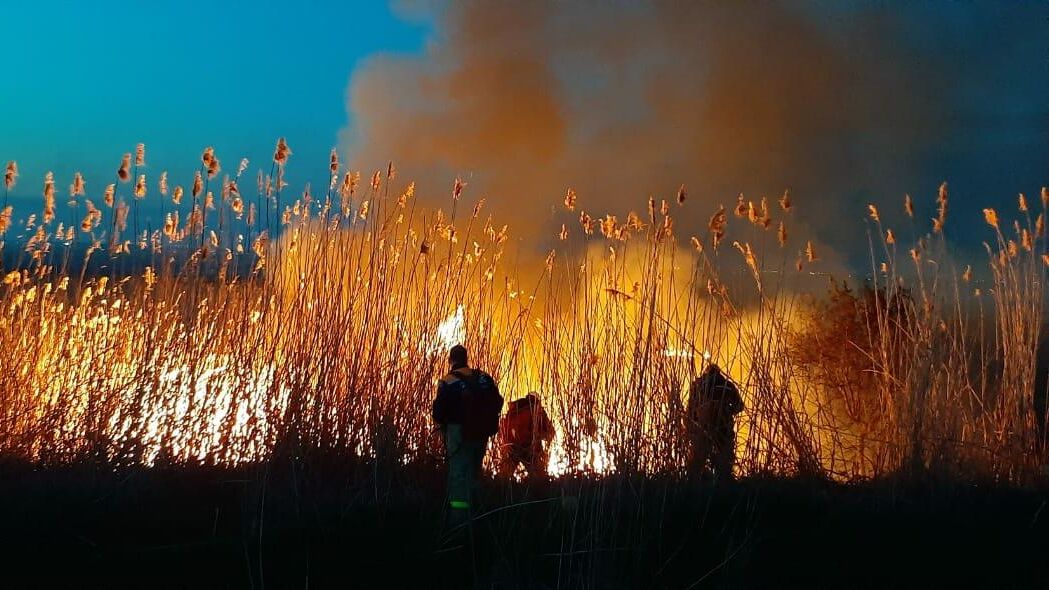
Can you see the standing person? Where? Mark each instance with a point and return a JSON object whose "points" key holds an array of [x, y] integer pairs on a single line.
{"points": [[713, 404], [467, 410], [525, 433]]}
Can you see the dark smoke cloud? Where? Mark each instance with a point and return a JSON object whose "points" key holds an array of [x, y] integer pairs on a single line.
{"points": [[622, 100]]}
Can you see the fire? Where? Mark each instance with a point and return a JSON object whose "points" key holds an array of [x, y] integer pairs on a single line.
{"points": [[451, 331], [594, 458], [334, 339]]}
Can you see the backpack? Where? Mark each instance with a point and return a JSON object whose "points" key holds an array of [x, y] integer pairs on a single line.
{"points": [[481, 405]]}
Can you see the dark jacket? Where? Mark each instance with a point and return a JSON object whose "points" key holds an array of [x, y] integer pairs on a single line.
{"points": [[470, 398], [714, 402]]}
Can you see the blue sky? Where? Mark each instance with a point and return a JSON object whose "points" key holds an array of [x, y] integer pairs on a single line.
{"points": [[84, 81]]}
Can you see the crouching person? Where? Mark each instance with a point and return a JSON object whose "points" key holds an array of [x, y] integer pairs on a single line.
{"points": [[525, 433], [467, 410]]}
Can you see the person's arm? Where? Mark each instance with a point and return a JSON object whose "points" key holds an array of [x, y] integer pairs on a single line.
{"points": [[546, 428], [440, 405], [697, 396], [495, 389], [496, 399], [734, 401]]}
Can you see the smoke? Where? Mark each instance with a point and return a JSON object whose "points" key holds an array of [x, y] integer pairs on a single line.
{"points": [[620, 101]]}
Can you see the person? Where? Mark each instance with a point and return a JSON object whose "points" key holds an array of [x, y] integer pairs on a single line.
{"points": [[525, 433], [713, 404], [467, 410]]}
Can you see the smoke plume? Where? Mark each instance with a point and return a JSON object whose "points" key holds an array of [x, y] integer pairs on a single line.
{"points": [[622, 100]]}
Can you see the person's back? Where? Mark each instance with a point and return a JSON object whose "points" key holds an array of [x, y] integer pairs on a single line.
{"points": [[468, 398], [713, 403], [724, 401], [515, 427]]}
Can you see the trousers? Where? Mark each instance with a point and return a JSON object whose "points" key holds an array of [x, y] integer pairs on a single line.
{"points": [[464, 465]]}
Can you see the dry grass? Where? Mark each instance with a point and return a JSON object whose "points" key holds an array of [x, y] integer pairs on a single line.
{"points": [[232, 346]]}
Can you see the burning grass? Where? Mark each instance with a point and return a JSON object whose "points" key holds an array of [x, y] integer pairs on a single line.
{"points": [[263, 325]]}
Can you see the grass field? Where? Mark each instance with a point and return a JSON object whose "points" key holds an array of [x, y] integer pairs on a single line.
{"points": [[261, 335]]}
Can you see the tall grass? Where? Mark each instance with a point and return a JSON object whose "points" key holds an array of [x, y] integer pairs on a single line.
{"points": [[325, 330]]}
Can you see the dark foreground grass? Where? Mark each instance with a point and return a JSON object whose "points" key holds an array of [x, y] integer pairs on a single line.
{"points": [[337, 525]]}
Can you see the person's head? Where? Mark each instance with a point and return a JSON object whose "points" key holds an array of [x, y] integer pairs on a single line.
{"points": [[532, 398], [713, 369], [457, 356]]}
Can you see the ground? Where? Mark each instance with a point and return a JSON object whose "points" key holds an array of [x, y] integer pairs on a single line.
{"points": [[299, 524]]}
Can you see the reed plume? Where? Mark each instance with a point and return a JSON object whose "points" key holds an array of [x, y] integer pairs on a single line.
{"points": [[49, 197], [140, 187], [281, 153], [991, 217], [124, 172], [716, 225], [11, 175]]}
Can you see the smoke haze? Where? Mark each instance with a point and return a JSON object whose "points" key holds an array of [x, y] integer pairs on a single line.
{"points": [[623, 100]]}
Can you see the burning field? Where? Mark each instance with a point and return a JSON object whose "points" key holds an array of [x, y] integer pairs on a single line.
{"points": [[248, 388], [756, 282], [259, 321]]}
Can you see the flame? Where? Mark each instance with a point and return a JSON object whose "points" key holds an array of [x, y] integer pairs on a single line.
{"points": [[593, 458], [451, 331], [683, 353], [195, 381]]}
